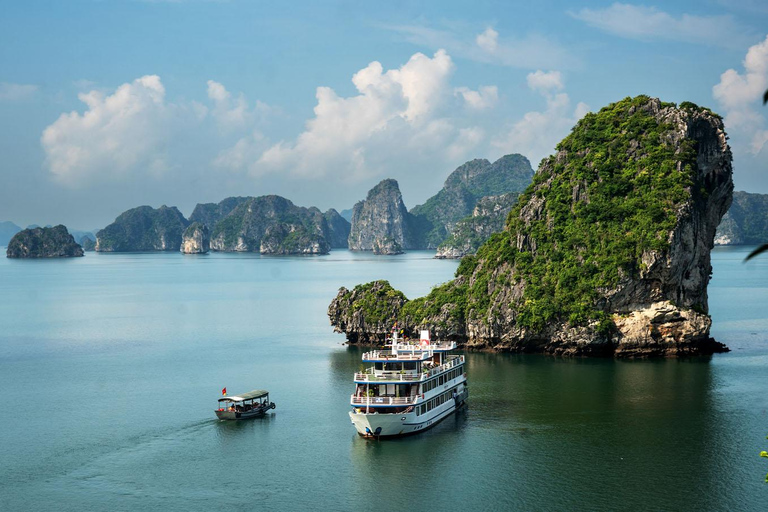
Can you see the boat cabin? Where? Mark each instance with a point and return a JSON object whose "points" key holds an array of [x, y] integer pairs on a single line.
{"points": [[244, 405]]}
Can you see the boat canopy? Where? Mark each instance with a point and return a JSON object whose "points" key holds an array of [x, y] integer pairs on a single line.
{"points": [[257, 393]]}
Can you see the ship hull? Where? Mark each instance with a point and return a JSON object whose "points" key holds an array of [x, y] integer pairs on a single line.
{"points": [[374, 425]]}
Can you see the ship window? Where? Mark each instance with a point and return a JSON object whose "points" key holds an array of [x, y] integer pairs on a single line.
{"points": [[377, 365]]}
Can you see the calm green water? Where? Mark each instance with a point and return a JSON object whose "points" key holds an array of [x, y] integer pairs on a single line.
{"points": [[110, 366]]}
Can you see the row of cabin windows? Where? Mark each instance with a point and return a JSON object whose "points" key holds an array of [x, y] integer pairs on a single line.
{"points": [[438, 400], [442, 379], [396, 366]]}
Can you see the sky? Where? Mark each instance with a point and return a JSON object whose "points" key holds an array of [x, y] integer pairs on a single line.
{"points": [[106, 105]]}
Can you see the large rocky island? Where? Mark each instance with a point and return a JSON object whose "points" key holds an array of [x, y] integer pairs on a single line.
{"points": [[55, 242], [381, 223], [606, 253], [143, 229], [274, 225], [265, 224]]}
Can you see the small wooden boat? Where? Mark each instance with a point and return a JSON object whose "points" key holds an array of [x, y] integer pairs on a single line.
{"points": [[245, 405]]}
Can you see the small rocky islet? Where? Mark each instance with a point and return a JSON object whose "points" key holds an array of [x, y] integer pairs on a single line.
{"points": [[47, 242], [606, 253]]}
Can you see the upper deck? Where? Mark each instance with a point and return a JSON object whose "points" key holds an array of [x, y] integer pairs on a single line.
{"points": [[420, 373], [408, 351]]}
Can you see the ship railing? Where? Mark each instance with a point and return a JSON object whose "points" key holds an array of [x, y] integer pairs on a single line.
{"points": [[370, 376], [386, 354], [383, 400], [456, 360], [417, 346], [388, 376]]}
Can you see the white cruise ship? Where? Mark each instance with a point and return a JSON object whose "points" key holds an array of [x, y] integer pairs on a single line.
{"points": [[409, 388]]}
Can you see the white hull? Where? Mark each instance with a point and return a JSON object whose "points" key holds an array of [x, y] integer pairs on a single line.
{"points": [[402, 424]]}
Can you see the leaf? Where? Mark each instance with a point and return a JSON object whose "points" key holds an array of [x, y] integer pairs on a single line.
{"points": [[757, 251]]}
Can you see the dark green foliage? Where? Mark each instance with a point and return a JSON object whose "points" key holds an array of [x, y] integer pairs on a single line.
{"points": [[421, 310], [272, 221], [631, 182], [615, 195], [144, 229], [210, 213], [488, 218], [55, 242], [375, 300]]}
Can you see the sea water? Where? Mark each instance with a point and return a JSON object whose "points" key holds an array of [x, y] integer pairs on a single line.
{"points": [[111, 365]]}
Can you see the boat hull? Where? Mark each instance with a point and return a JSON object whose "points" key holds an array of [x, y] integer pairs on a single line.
{"points": [[242, 415], [374, 425]]}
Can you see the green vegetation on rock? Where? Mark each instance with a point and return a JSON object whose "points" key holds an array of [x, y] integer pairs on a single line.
{"points": [[470, 233], [274, 225], [592, 236], [47, 242], [143, 229]]}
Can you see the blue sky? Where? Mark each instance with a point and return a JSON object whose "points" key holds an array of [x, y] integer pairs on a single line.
{"points": [[107, 105]]}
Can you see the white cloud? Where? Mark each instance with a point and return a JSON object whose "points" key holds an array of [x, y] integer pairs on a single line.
{"points": [[649, 24], [395, 113], [740, 95], [233, 113], [544, 82], [488, 40], [485, 97], [527, 52], [538, 132], [116, 134], [245, 151], [16, 92]]}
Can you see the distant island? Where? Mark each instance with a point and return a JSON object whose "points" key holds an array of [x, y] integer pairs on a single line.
{"points": [[55, 242], [266, 224], [607, 252], [471, 232], [746, 222], [381, 223], [7, 230], [473, 204]]}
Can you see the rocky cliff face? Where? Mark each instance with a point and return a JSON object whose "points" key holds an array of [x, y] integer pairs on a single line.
{"points": [[55, 242], [338, 229], [381, 223], [469, 233], [143, 229], [196, 239], [746, 222], [607, 252], [463, 188], [271, 225], [88, 243]]}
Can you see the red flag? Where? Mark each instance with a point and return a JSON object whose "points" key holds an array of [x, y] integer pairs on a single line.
{"points": [[224, 391]]}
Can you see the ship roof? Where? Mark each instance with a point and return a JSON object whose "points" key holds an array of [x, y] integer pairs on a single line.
{"points": [[256, 393]]}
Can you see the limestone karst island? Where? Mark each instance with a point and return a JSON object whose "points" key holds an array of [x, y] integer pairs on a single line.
{"points": [[607, 252]]}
